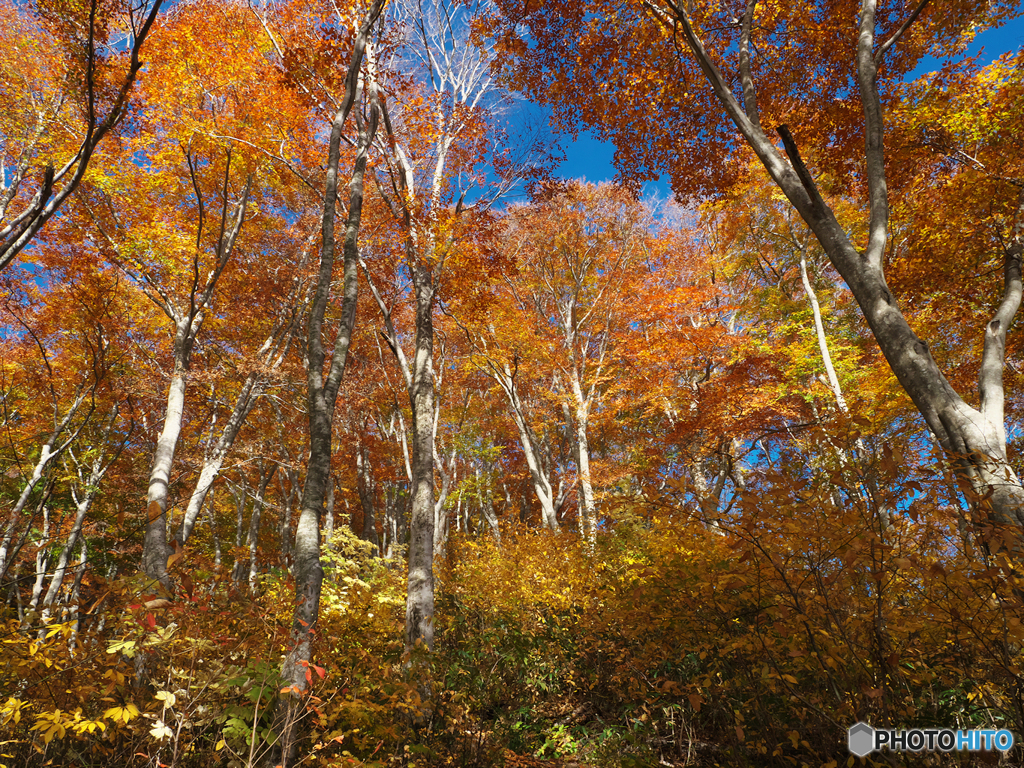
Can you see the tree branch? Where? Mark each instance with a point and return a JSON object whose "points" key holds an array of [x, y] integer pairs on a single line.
{"points": [[993, 359], [879, 55], [749, 93], [874, 147]]}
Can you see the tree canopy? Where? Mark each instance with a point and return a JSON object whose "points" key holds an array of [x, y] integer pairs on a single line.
{"points": [[337, 429]]}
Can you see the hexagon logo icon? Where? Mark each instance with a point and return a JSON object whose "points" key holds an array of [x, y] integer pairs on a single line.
{"points": [[861, 739]]}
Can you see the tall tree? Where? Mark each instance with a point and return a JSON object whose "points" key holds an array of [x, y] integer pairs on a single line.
{"points": [[433, 145], [582, 254], [690, 75], [323, 385]]}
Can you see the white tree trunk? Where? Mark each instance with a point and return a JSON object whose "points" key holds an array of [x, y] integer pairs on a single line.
{"points": [[155, 550], [89, 488], [213, 463], [588, 508], [49, 452], [975, 437]]}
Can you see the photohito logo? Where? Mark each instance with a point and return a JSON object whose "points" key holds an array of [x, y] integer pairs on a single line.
{"points": [[863, 740]]}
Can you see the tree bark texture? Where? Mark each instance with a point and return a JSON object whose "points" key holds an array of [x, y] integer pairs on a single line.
{"points": [[974, 437], [322, 391], [156, 550], [188, 324], [419, 618]]}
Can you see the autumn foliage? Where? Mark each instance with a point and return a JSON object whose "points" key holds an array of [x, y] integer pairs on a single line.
{"points": [[337, 430]]}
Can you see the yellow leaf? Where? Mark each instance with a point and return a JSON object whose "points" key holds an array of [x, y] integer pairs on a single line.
{"points": [[125, 713]]}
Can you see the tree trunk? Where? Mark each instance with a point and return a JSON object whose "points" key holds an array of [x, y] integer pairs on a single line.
{"points": [[819, 330], [76, 598], [240, 494], [284, 527], [217, 554], [857, 458], [90, 487], [419, 611], [322, 391], [588, 509], [447, 472], [156, 550], [975, 437], [329, 512], [365, 487], [188, 324], [270, 357], [487, 504], [215, 461], [709, 495], [539, 481], [394, 524], [42, 561], [252, 538], [49, 452]]}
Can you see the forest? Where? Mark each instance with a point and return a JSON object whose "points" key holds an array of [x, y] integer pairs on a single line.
{"points": [[337, 428]]}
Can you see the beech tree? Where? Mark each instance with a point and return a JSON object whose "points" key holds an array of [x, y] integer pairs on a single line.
{"points": [[322, 385], [616, 434], [68, 380], [686, 76], [430, 146], [583, 254]]}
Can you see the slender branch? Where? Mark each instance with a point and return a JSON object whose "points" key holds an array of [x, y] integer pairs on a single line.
{"points": [[679, 21], [880, 54], [391, 336], [227, 245]]}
